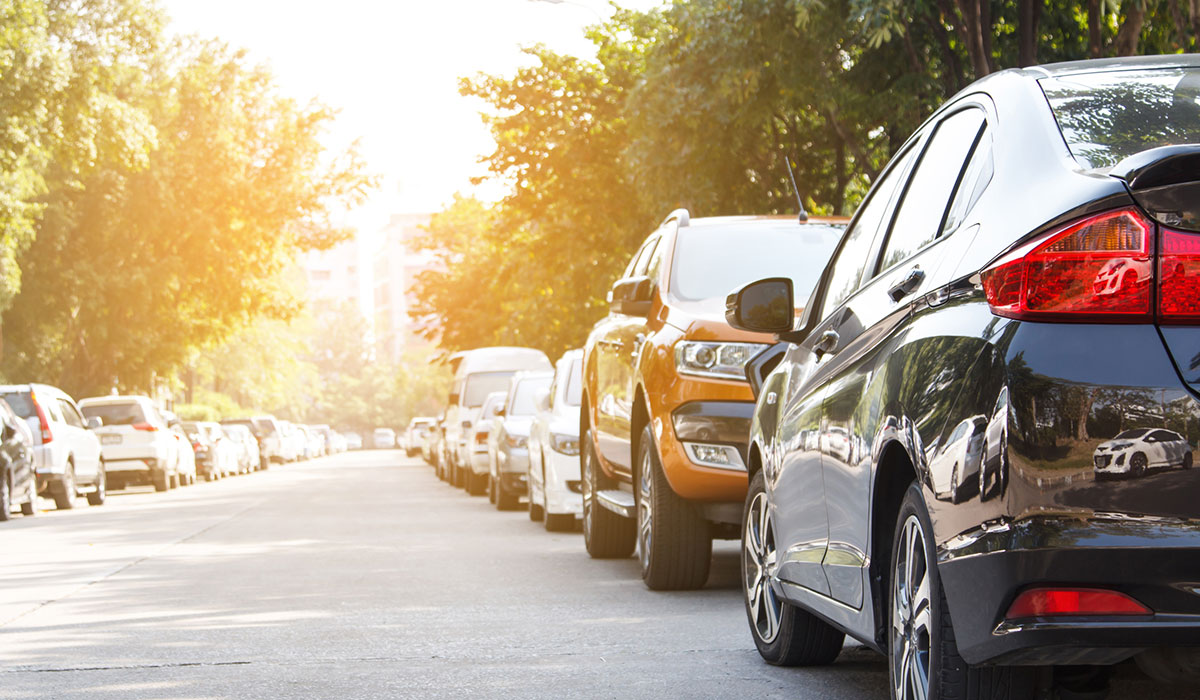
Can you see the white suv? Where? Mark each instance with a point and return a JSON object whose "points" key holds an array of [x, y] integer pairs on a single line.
{"points": [[66, 452], [138, 445], [555, 491]]}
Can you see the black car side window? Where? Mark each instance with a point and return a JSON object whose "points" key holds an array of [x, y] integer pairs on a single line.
{"points": [[856, 249], [922, 213]]}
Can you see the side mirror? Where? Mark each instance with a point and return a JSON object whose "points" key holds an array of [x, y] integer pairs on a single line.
{"points": [[765, 306], [7, 432], [500, 411], [542, 399], [466, 425], [632, 296], [94, 422]]}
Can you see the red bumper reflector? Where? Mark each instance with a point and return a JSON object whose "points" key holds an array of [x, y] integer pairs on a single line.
{"points": [[1058, 602]]}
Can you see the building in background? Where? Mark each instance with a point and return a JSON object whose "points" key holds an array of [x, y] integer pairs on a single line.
{"points": [[395, 268], [335, 275]]}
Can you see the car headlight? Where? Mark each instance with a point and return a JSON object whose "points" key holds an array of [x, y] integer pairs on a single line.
{"points": [[723, 360], [515, 441], [1115, 447], [564, 444]]}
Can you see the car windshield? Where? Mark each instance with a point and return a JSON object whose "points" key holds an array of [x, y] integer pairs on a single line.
{"points": [[574, 395], [522, 401], [20, 402], [264, 426], [116, 413], [1105, 117], [480, 384], [192, 430], [1131, 434], [712, 261], [246, 423]]}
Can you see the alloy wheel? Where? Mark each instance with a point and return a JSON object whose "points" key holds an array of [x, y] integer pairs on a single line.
{"points": [[589, 492], [645, 510], [759, 557], [911, 615]]}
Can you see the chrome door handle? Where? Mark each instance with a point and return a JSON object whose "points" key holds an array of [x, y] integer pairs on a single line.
{"points": [[908, 285], [827, 343]]}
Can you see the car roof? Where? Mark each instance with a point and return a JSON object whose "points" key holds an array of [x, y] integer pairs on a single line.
{"points": [[766, 220], [98, 400], [1098, 65], [498, 359]]}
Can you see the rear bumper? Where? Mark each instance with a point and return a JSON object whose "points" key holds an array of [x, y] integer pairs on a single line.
{"points": [[1155, 561], [562, 485], [479, 462], [133, 465]]}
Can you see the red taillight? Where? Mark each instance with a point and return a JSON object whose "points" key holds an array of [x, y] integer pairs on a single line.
{"points": [[1058, 602], [44, 424], [1099, 268], [145, 426], [481, 438], [1179, 277]]}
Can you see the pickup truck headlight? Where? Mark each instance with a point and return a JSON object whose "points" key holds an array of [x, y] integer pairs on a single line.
{"points": [[564, 444], [721, 360]]}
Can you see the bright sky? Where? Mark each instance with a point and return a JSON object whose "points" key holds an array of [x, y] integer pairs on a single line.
{"points": [[392, 67]]}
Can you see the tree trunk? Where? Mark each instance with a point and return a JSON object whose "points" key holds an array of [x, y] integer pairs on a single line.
{"points": [[972, 31], [839, 197], [1095, 44], [1181, 38], [952, 77], [1028, 12], [1194, 15], [1131, 29]]}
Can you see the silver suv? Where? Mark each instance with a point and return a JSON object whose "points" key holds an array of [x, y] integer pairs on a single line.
{"points": [[66, 453]]}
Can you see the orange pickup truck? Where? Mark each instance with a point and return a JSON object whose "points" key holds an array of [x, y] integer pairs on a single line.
{"points": [[666, 410]]}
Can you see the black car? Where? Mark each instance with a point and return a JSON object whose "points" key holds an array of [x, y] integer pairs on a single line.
{"points": [[1021, 285], [18, 482]]}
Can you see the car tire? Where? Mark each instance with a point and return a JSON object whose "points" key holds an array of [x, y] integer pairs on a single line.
{"points": [[674, 543], [64, 491], [785, 635], [536, 511], [97, 495], [954, 485], [29, 507], [1137, 464], [5, 495], [162, 481], [491, 489], [175, 481], [922, 629], [478, 484], [1187, 461], [606, 535], [504, 499]]}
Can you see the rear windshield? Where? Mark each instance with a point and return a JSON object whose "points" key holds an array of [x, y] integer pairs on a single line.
{"points": [[20, 402], [574, 395], [192, 430], [712, 261], [522, 402], [480, 384], [265, 426], [244, 422], [116, 413], [1105, 117]]}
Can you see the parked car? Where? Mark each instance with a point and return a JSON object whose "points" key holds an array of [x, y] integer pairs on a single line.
{"points": [[477, 437], [1135, 452], [508, 439], [555, 494], [266, 431], [137, 445], [293, 441], [204, 456], [18, 480], [185, 458], [66, 450], [430, 447], [354, 441], [328, 439], [477, 373], [666, 405], [415, 435], [216, 453], [337, 442], [384, 439], [968, 274], [247, 447]]}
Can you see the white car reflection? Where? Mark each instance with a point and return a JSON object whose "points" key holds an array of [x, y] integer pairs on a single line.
{"points": [[955, 469], [1134, 452]]}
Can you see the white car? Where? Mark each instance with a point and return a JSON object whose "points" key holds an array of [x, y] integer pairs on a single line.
{"points": [[956, 467], [66, 451], [477, 440], [384, 439], [137, 445], [555, 491], [265, 430], [247, 447], [1134, 452], [185, 464]]}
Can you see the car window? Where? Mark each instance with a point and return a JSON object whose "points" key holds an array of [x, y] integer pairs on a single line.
{"points": [[522, 403], [643, 259], [116, 413], [70, 415], [20, 402], [480, 384], [975, 180], [1164, 436], [922, 212], [852, 260]]}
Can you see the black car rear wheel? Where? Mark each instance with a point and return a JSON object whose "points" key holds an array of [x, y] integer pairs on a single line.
{"points": [[606, 534], [923, 659], [784, 634], [674, 542]]}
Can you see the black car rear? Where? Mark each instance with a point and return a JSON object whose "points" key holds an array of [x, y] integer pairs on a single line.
{"points": [[1028, 267]]}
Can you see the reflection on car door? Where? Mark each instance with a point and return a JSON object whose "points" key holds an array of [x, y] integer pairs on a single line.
{"points": [[869, 328], [84, 445], [616, 348]]}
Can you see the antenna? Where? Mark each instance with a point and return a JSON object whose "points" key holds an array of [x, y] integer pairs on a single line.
{"points": [[800, 203]]}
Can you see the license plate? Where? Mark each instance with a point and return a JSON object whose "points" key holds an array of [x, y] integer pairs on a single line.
{"points": [[110, 439]]}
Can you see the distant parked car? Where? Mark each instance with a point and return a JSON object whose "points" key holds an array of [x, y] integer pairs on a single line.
{"points": [[555, 493], [1134, 452], [508, 441], [248, 457], [417, 429], [354, 441], [207, 463], [266, 432], [293, 441], [384, 439], [337, 442], [18, 481], [328, 439], [137, 445], [66, 450], [185, 458], [479, 480]]}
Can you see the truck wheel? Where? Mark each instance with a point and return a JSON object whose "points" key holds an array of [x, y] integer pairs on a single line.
{"points": [[29, 507], [559, 522], [606, 534], [785, 635], [923, 660], [674, 542]]}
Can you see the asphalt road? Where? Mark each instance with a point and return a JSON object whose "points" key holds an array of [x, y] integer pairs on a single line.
{"points": [[363, 576]]}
